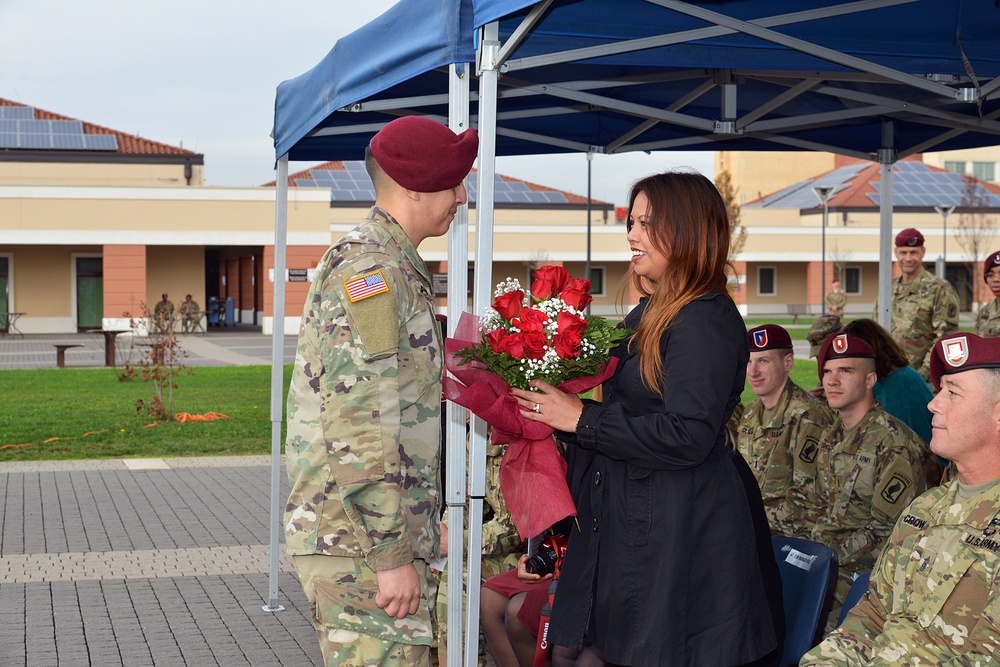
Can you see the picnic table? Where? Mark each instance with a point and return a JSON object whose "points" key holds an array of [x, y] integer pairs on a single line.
{"points": [[8, 323], [109, 343]]}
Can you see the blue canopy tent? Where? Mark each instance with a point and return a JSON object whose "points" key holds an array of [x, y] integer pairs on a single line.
{"points": [[874, 79]]}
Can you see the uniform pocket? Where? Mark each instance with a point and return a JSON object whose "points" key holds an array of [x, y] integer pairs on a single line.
{"points": [[349, 605], [639, 505]]}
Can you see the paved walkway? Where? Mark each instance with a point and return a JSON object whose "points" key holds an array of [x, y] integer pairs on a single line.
{"points": [[220, 347], [144, 562]]}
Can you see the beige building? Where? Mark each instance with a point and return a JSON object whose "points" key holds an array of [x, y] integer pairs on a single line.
{"points": [[95, 225], [782, 261]]}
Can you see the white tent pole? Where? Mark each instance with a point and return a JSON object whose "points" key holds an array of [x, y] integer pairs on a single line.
{"points": [[277, 371], [886, 158], [458, 288], [482, 291]]}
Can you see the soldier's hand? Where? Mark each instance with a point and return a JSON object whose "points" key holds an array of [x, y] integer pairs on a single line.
{"points": [[528, 577], [444, 539], [398, 590]]}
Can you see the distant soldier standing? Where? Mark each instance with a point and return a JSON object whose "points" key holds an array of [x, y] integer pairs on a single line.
{"points": [[924, 307], [364, 428], [836, 298], [988, 319], [780, 431]]}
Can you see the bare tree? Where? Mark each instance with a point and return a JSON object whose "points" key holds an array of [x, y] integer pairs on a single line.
{"points": [[840, 258], [976, 228], [737, 232]]}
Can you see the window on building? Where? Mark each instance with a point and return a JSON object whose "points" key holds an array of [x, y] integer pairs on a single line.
{"points": [[852, 279], [4, 278], [597, 280], [957, 167], [766, 284], [985, 171]]}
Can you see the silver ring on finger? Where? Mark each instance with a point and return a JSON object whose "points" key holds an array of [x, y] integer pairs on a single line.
{"points": [[537, 408]]}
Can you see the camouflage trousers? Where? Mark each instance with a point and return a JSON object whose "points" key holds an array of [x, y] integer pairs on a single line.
{"points": [[352, 630]]}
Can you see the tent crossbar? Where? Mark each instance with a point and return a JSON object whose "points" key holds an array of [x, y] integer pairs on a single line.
{"points": [[796, 44], [543, 139], [815, 119], [778, 101], [642, 127], [684, 36], [986, 90], [946, 136], [630, 108], [813, 146], [543, 112], [916, 108], [393, 103], [522, 31], [953, 124]]}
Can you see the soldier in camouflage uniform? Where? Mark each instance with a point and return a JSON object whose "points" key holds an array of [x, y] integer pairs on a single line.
{"points": [[870, 465], [934, 596], [836, 298], [361, 520], [924, 307], [988, 319], [780, 431]]}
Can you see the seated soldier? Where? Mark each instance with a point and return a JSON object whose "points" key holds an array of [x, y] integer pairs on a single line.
{"points": [[870, 465], [190, 314], [163, 314], [780, 431], [934, 597]]}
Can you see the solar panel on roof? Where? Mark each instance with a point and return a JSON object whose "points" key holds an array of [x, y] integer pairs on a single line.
{"points": [[35, 140], [101, 142], [17, 112], [66, 126], [8, 140], [68, 141]]}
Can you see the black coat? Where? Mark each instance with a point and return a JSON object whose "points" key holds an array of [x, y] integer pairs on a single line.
{"points": [[664, 570]]}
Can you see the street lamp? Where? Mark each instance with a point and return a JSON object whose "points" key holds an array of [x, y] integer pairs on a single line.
{"points": [[823, 193], [945, 211]]}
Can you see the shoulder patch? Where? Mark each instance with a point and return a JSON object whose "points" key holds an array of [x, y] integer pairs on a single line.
{"points": [[375, 321], [366, 286]]}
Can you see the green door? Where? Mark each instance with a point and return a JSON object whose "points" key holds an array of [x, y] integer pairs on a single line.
{"points": [[89, 293], [4, 301]]}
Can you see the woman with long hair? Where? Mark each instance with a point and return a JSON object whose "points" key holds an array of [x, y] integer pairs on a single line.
{"points": [[663, 569]]}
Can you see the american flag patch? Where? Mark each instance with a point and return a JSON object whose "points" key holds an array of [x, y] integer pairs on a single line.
{"points": [[365, 286]]}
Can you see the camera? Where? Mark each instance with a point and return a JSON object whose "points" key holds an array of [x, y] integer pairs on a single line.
{"points": [[549, 557]]}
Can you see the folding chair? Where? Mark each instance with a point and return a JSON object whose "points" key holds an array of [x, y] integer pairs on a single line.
{"points": [[808, 578], [858, 589]]}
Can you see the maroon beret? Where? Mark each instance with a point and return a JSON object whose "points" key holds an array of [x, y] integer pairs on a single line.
{"points": [[991, 261], [909, 238], [963, 352], [423, 155], [768, 337], [843, 346]]}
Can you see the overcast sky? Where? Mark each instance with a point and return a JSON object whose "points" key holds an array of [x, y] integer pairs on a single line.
{"points": [[203, 74]]}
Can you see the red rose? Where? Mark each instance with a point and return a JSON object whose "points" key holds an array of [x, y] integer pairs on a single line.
{"points": [[497, 340], [570, 323], [535, 344], [549, 281], [509, 304], [577, 293], [514, 345], [531, 320], [567, 344]]}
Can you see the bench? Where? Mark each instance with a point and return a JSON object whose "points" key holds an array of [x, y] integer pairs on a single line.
{"points": [[61, 353], [796, 309]]}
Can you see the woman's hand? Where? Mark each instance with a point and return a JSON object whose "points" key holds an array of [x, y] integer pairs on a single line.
{"points": [[550, 406], [526, 576]]}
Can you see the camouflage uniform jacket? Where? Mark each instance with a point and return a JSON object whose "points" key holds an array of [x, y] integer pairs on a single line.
{"points": [[364, 429], [922, 312], [782, 455], [865, 476], [988, 320], [934, 597]]}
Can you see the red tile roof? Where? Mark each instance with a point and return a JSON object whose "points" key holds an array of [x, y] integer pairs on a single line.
{"points": [[128, 144], [338, 165]]}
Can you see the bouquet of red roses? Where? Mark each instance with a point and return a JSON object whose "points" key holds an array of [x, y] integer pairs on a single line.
{"points": [[544, 335]]}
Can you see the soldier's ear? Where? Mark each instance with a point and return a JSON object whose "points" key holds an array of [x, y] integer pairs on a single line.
{"points": [[870, 380]]}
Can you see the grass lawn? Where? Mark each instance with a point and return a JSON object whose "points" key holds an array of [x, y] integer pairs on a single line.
{"points": [[87, 413]]}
